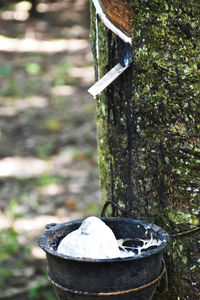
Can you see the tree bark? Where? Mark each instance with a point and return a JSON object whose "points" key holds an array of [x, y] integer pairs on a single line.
{"points": [[33, 10], [148, 131]]}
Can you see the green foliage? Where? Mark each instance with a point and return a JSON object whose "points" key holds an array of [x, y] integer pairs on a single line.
{"points": [[53, 124], [11, 82], [47, 179], [94, 208], [12, 210], [41, 290], [6, 70], [5, 274], [34, 292], [60, 80], [33, 68], [13, 88], [45, 149], [9, 244], [64, 67], [62, 73]]}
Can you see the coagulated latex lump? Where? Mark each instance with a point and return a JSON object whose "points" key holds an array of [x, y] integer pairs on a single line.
{"points": [[93, 239]]}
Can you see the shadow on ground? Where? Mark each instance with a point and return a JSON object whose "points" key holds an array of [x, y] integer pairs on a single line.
{"points": [[48, 165]]}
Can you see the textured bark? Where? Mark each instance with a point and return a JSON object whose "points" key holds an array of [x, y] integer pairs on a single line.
{"points": [[148, 127]]}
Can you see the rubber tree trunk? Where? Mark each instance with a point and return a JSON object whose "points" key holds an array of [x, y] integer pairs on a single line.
{"points": [[148, 127], [33, 11]]}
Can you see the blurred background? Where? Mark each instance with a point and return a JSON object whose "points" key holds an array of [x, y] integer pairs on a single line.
{"points": [[48, 163]]}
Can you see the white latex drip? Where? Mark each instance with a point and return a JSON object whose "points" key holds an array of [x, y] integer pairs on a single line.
{"points": [[147, 243]]}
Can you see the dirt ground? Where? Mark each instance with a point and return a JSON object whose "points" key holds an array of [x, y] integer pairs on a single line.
{"points": [[48, 163]]}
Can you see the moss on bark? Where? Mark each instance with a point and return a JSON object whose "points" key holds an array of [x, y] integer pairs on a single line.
{"points": [[148, 124]]}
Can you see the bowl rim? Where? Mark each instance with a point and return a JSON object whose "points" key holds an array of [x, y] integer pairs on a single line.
{"points": [[57, 226]]}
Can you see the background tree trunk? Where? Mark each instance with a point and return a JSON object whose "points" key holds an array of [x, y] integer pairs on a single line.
{"points": [[148, 124]]}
